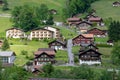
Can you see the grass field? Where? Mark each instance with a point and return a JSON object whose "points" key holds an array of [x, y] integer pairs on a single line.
{"points": [[105, 9]]}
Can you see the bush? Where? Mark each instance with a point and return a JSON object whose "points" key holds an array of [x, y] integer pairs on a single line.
{"points": [[103, 45], [11, 43], [23, 52]]}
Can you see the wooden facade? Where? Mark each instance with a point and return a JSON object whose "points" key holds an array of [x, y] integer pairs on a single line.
{"points": [[97, 32], [43, 56], [57, 45], [83, 39], [84, 24], [74, 21], [90, 57]]}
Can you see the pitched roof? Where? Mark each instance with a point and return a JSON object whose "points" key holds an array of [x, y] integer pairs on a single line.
{"points": [[88, 35], [88, 51], [48, 51], [7, 53], [41, 29], [61, 42], [85, 22], [95, 19], [14, 28], [74, 19]]}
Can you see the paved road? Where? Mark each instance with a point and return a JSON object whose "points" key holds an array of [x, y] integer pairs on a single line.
{"points": [[5, 15], [70, 54]]}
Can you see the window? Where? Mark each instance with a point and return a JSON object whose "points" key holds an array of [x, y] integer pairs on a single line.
{"points": [[4, 59]]}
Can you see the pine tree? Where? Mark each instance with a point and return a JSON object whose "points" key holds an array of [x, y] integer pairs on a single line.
{"points": [[5, 45], [5, 5]]}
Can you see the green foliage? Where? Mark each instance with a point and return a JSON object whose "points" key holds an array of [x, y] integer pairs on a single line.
{"points": [[106, 75], [48, 69], [103, 45], [5, 5], [50, 20], [23, 52], [5, 45], [82, 72], [114, 31], [74, 7], [24, 17], [115, 54], [42, 13]]}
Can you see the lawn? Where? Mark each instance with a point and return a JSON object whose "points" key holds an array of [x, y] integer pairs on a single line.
{"points": [[101, 40], [4, 24], [105, 9], [52, 4], [29, 46]]}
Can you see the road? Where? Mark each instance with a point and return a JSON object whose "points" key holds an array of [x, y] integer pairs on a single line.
{"points": [[70, 54]]}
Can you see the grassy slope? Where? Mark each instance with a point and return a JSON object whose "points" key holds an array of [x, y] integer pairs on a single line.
{"points": [[105, 9]]}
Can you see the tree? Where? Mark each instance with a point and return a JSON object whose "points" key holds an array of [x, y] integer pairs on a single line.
{"points": [[24, 18], [5, 5], [82, 72], [115, 54], [5, 45], [50, 20], [42, 13], [48, 69], [114, 31]]}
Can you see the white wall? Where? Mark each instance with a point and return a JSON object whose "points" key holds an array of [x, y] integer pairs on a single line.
{"points": [[89, 62]]}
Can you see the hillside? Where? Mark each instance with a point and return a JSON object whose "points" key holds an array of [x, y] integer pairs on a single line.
{"points": [[105, 9]]}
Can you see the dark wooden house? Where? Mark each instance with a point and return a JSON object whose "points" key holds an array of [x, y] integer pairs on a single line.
{"points": [[83, 39], [57, 45], [97, 32], [84, 24], [97, 20], [90, 57], [74, 21], [43, 56], [116, 3]]}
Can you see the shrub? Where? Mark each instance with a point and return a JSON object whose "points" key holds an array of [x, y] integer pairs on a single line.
{"points": [[23, 52], [103, 45]]}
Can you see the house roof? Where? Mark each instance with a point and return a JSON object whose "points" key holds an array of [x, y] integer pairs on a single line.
{"points": [[41, 29], [97, 29], [74, 19], [61, 42], [116, 2], [93, 46], [85, 22], [51, 27], [48, 51], [85, 36], [88, 35], [7, 53], [95, 19], [14, 28], [81, 53]]}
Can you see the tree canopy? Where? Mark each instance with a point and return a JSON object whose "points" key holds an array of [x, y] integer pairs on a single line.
{"points": [[28, 18], [114, 31], [5, 45]]}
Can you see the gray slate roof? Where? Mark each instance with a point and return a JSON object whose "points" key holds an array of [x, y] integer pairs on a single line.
{"points": [[7, 53]]}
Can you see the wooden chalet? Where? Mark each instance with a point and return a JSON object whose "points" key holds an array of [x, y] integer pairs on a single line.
{"points": [[84, 24], [116, 3], [83, 29], [90, 57], [83, 39], [74, 21], [43, 56], [57, 45], [97, 32], [97, 20], [90, 46]]}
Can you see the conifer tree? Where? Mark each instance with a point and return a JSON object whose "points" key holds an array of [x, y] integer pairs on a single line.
{"points": [[5, 45]]}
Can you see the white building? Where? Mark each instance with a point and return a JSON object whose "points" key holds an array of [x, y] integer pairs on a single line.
{"points": [[15, 33]]}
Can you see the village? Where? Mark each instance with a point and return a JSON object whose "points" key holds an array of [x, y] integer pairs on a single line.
{"points": [[77, 41]]}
